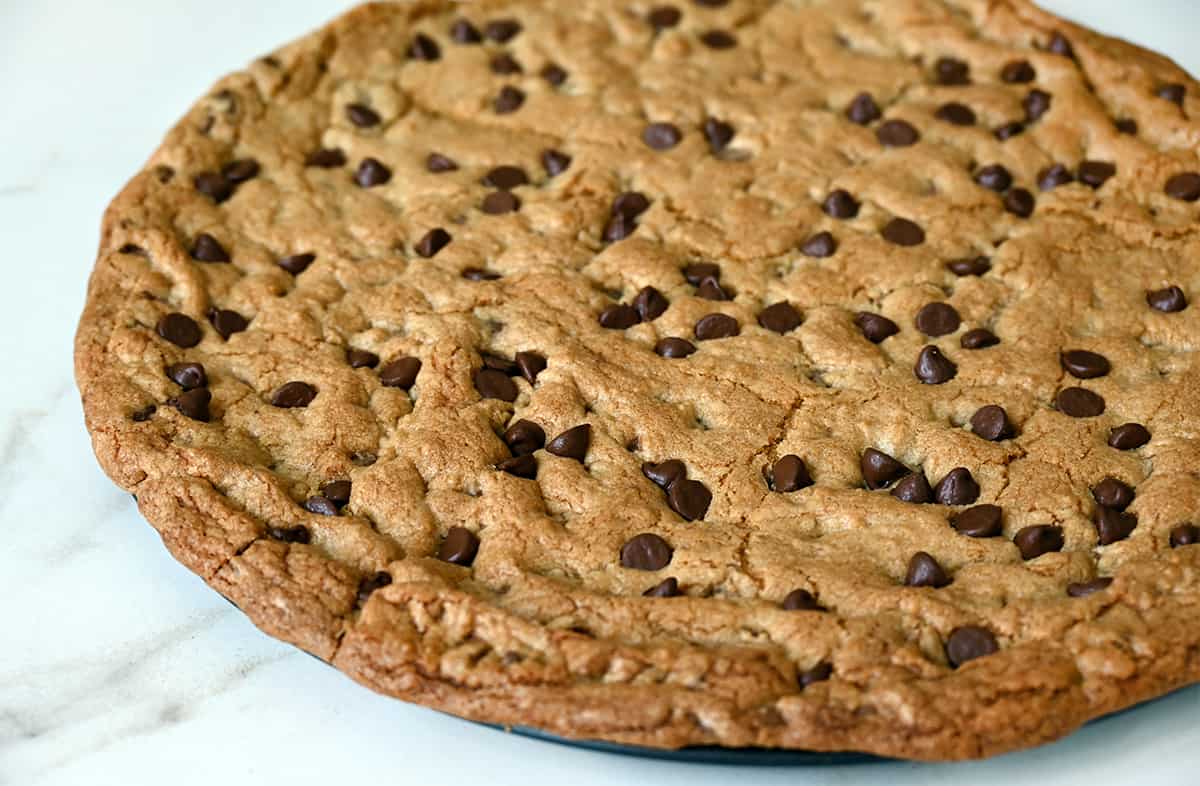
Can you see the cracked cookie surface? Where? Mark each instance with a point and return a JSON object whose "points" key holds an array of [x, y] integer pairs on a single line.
{"points": [[817, 375]]}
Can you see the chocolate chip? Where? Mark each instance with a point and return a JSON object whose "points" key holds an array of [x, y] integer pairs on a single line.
{"points": [[1112, 493], [956, 488], [143, 414], [689, 498], [619, 316], [337, 492], [1126, 125], [956, 114], [667, 588], [663, 16], [646, 551], [924, 571], [991, 423], [1128, 436], [520, 466], [779, 317], [896, 133], [554, 74], [1059, 45], [981, 521], [500, 202], [800, 600], [718, 134], [371, 172], [1184, 186], [227, 322], [361, 358], [789, 474], [459, 547], [1113, 525], [819, 673], [937, 319], [369, 584], [631, 204], [951, 71], [180, 329], [879, 470], [994, 177], [214, 186], [863, 110], [1079, 403], [711, 289], [506, 177], [971, 266], [968, 643], [1169, 299], [1054, 176], [934, 368], [903, 232], [718, 39], [294, 394], [1095, 173], [572, 443], [1184, 535], [508, 100], [1173, 92], [193, 404], [840, 204], [530, 364], [187, 375], [713, 326], [698, 271], [913, 488], [1017, 72], [495, 384], [820, 245], [661, 136], [1037, 540], [979, 338], [432, 242], [463, 32], [674, 347], [1084, 588], [664, 473], [554, 162], [424, 48], [1082, 364], [503, 63], [296, 534], [296, 263], [875, 327], [326, 158], [524, 437], [240, 170], [438, 163], [650, 304], [206, 248], [1020, 202], [1008, 131], [321, 506], [1036, 104], [363, 458], [400, 373], [362, 115], [502, 30]]}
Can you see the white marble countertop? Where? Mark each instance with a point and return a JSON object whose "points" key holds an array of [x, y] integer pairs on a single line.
{"points": [[118, 665]]}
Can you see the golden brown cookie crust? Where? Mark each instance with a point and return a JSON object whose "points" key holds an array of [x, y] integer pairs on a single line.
{"points": [[547, 629]]}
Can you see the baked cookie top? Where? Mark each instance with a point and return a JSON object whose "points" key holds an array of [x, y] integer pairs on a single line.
{"points": [[805, 374]]}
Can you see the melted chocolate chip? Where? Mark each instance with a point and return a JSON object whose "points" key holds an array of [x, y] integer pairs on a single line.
{"points": [[1082, 364], [1184, 535], [897, 133], [432, 242], [296, 534], [1113, 525], [968, 643], [914, 489], [937, 319], [1184, 186], [1037, 540], [371, 173], [667, 588], [193, 404], [664, 473], [1128, 436], [555, 162], [672, 347], [1168, 300], [879, 470], [438, 163], [924, 571], [981, 521], [1079, 403], [508, 100], [294, 394], [841, 204], [714, 326], [789, 474], [296, 263], [1054, 176], [524, 437], [994, 177], [459, 547], [956, 114], [875, 327], [718, 134], [661, 136], [206, 249], [180, 329], [863, 110], [800, 600], [979, 338], [572, 443], [780, 317], [495, 384], [361, 358], [934, 368], [991, 423], [187, 375], [646, 551], [903, 232], [362, 115], [1018, 72], [1113, 493], [326, 158], [820, 245], [689, 498], [400, 373]]}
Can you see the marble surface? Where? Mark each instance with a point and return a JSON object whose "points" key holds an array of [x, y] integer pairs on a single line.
{"points": [[119, 666]]}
